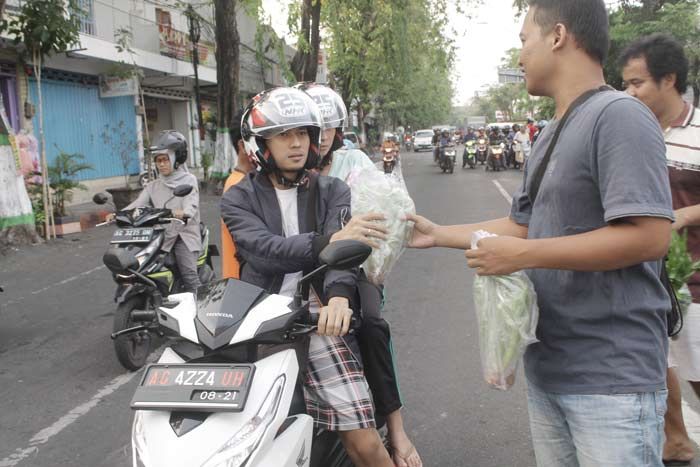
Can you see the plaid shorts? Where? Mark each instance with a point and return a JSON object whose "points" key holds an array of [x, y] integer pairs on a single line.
{"points": [[335, 389]]}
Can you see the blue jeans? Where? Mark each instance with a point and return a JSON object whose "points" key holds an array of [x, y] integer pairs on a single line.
{"points": [[597, 430]]}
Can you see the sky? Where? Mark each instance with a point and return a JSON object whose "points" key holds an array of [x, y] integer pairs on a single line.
{"points": [[481, 42]]}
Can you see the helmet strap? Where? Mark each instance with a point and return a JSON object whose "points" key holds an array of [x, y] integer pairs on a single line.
{"points": [[301, 179]]}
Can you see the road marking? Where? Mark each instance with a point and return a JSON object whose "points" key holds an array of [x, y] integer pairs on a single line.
{"points": [[62, 423], [503, 191], [70, 279]]}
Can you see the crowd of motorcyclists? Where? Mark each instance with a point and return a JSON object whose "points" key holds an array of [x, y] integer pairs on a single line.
{"points": [[496, 146]]}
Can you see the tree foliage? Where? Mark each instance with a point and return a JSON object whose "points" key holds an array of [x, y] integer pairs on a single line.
{"points": [[393, 57], [632, 20]]}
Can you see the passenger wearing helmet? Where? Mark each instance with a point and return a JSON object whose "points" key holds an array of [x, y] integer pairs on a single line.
{"points": [[375, 333], [183, 240], [281, 216], [469, 135]]}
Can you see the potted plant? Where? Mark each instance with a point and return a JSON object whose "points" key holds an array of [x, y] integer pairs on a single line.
{"points": [[35, 192], [62, 174], [124, 146], [207, 161]]}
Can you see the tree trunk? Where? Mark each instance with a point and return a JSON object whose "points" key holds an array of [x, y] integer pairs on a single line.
{"points": [[227, 60], [299, 61], [227, 75], [696, 82], [50, 228], [315, 43]]}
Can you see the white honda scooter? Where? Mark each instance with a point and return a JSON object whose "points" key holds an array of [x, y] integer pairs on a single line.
{"points": [[210, 401]]}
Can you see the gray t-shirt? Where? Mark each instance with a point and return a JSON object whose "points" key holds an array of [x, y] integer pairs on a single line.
{"points": [[599, 332]]}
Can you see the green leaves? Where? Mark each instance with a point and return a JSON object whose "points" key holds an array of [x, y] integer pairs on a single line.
{"points": [[62, 175], [679, 264], [45, 27], [393, 56]]}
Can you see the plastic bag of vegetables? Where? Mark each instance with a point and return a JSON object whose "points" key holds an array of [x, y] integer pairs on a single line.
{"points": [[374, 191], [507, 313], [680, 267]]}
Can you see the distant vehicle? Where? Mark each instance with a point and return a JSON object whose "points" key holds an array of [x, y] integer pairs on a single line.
{"points": [[423, 139], [476, 121]]}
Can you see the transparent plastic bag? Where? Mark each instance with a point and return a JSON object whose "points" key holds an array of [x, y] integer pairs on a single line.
{"points": [[507, 313], [374, 191]]}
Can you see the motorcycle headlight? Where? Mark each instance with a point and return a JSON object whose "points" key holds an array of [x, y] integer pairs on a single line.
{"points": [[237, 450], [145, 254], [138, 443]]}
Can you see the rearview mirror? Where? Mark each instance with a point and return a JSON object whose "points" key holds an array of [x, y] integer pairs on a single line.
{"points": [[345, 254], [182, 190], [100, 198]]}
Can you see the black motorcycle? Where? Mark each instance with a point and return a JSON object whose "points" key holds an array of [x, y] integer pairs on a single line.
{"points": [[144, 274], [448, 158]]}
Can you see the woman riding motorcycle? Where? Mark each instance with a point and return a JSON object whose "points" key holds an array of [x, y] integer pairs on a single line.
{"points": [[182, 239]]}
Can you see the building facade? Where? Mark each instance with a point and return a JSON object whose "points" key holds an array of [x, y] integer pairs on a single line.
{"points": [[94, 106]]}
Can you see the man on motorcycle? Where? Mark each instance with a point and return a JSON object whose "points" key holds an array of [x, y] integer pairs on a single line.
{"points": [[375, 334], [183, 240], [469, 135], [270, 216], [445, 141], [496, 137]]}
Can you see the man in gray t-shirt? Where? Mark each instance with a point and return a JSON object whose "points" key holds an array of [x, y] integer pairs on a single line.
{"points": [[600, 332], [591, 242]]}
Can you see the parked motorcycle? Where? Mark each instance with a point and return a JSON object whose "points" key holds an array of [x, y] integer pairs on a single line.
{"points": [[469, 155], [482, 150], [448, 157], [144, 274], [217, 398], [146, 176], [389, 157], [495, 161]]}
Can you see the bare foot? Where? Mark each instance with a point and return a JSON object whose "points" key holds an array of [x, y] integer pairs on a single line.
{"points": [[404, 453], [678, 451]]}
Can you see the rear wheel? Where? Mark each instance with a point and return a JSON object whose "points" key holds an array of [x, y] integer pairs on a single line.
{"points": [[132, 349]]}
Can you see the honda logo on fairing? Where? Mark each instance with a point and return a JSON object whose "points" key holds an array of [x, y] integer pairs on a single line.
{"points": [[220, 315]]}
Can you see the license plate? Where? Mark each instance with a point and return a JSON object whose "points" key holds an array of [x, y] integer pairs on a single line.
{"points": [[132, 235], [199, 388]]}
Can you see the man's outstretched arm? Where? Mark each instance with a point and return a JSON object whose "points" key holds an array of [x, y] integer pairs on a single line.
{"points": [[427, 234]]}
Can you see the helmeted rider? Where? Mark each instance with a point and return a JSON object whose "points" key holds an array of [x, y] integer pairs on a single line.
{"points": [[469, 135], [184, 240], [335, 117], [282, 133], [272, 113]]}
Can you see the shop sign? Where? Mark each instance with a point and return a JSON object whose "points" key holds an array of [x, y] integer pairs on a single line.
{"points": [[115, 86]]}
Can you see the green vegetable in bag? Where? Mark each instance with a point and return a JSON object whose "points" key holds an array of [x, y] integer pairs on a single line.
{"points": [[680, 267]]}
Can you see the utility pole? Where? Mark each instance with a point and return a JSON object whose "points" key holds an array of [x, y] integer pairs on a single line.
{"points": [[195, 35]]}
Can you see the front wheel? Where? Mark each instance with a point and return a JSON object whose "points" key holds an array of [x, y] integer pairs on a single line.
{"points": [[131, 349]]}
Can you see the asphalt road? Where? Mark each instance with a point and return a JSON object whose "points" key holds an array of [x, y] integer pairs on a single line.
{"points": [[64, 399]]}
